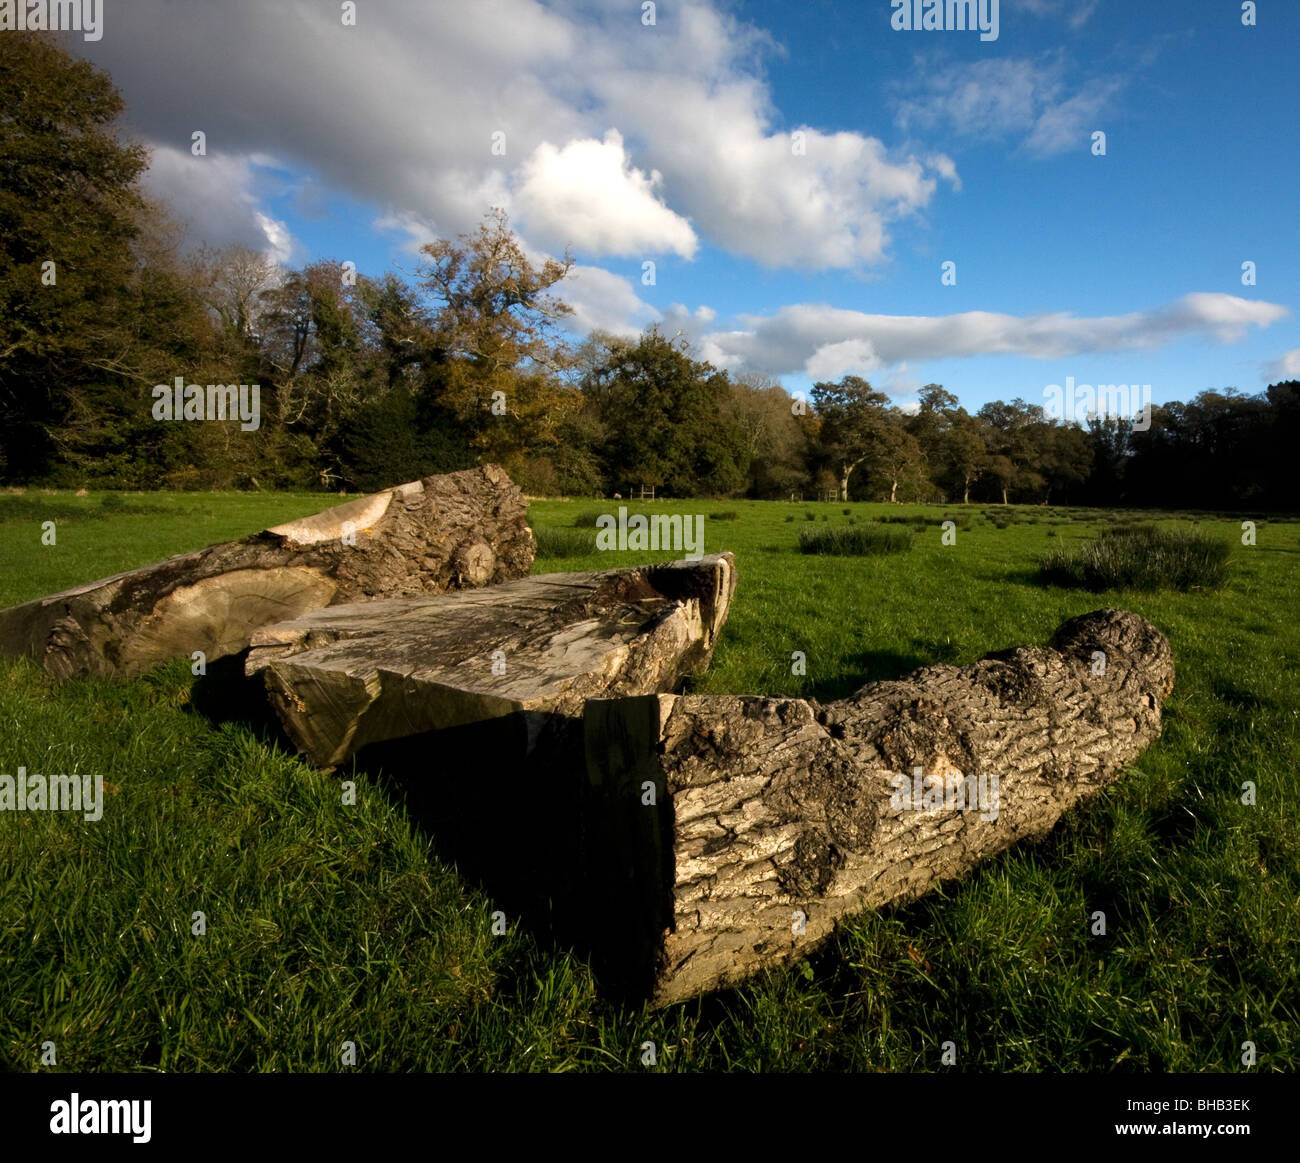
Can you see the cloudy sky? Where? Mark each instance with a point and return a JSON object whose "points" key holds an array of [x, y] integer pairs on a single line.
{"points": [[798, 174]]}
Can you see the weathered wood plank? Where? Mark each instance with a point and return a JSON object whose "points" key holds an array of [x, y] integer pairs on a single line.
{"points": [[346, 677]]}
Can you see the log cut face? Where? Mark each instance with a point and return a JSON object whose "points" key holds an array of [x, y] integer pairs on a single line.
{"points": [[441, 533], [774, 817], [346, 677]]}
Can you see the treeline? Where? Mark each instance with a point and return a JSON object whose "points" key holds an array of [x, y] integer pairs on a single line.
{"points": [[364, 382]]}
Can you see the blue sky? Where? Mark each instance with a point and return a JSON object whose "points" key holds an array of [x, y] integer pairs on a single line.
{"points": [[799, 258]]}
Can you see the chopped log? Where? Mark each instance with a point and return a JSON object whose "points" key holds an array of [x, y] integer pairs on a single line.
{"points": [[773, 817], [346, 677], [440, 533]]}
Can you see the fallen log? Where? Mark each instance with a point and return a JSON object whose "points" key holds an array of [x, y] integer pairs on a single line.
{"points": [[440, 533], [729, 833], [346, 677]]}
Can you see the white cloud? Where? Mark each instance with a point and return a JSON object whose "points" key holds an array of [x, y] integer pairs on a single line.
{"points": [[401, 114], [1069, 124], [831, 361], [693, 326], [822, 201], [1076, 12], [823, 341], [418, 230], [217, 196], [589, 195], [279, 247], [946, 168], [1287, 367], [602, 300], [1004, 97], [899, 381], [1080, 11]]}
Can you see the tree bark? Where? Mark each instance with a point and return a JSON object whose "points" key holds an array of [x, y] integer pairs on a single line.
{"points": [[771, 818], [349, 676], [441, 533], [844, 477]]}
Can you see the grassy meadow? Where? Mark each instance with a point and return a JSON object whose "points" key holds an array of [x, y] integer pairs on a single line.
{"points": [[328, 922]]}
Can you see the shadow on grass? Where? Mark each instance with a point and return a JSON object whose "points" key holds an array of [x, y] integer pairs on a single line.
{"points": [[884, 666], [1020, 577], [507, 803], [223, 695], [1238, 699], [873, 666]]}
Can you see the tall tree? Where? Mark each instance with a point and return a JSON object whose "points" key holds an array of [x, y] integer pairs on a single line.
{"points": [[932, 421], [68, 215], [852, 419], [1065, 459], [1111, 439], [896, 459], [499, 325], [776, 444], [664, 413], [1015, 452], [965, 453]]}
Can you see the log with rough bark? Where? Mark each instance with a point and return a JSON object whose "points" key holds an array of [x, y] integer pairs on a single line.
{"points": [[432, 535], [773, 817], [346, 677]]}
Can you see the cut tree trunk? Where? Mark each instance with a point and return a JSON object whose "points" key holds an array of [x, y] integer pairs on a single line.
{"points": [[441, 533], [773, 817], [346, 677]]}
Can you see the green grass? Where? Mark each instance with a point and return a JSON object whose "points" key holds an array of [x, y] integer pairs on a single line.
{"points": [[92, 541], [855, 541], [552, 543], [329, 922], [1141, 557], [923, 521]]}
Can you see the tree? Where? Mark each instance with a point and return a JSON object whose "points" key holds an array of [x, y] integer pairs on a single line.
{"points": [[235, 281], [1011, 433], [1111, 440], [498, 326], [664, 413], [932, 426], [966, 452], [68, 197], [321, 348], [896, 458], [932, 421], [1065, 459], [385, 444], [852, 418], [1278, 443], [1001, 468], [403, 330], [776, 444]]}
